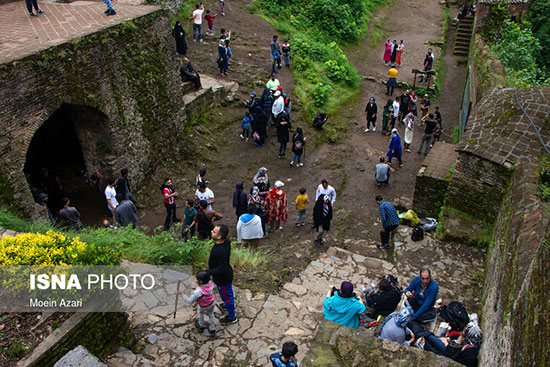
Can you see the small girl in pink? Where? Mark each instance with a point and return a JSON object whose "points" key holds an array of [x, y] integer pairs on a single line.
{"points": [[204, 296]]}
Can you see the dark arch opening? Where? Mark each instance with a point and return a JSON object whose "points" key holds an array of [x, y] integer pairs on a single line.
{"points": [[63, 156]]}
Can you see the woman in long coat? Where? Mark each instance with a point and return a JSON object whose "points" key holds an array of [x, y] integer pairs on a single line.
{"points": [[387, 52], [223, 58], [276, 206], [322, 215], [409, 130], [395, 147], [179, 35]]}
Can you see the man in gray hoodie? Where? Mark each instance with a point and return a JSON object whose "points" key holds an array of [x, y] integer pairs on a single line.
{"points": [[249, 228]]}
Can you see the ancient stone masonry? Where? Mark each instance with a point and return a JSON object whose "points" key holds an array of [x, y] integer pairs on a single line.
{"points": [[433, 179], [120, 89]]}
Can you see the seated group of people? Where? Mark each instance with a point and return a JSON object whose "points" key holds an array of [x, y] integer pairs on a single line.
{"points": [[409, 325]]}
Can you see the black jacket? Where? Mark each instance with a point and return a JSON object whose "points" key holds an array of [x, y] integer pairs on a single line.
{"points": [[383, 303], [371, 110], [319, 219], [187, 72], [218, 263]]}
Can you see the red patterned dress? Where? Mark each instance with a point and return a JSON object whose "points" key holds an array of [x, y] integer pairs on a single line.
{"points": [[276, 205]]}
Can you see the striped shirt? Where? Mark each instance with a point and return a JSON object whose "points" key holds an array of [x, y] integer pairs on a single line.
{"points": [[168, 191]]}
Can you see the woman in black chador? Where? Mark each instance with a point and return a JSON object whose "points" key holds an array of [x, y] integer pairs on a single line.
{"points": [[179, 35]]}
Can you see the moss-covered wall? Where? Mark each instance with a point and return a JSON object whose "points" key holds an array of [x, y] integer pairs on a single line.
{"points": [[127, 72], [516, 311], [486, 72]]}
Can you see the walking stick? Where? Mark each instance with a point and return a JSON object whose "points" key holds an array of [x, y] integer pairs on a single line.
{"points": [[177, 297]]}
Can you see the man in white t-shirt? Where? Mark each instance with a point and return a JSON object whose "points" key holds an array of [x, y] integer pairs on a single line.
{"points": [[110, 195], [197, 21], [204, 193], [325, 189]]}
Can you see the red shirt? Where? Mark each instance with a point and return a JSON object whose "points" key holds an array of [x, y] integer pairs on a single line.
{"points": [[168, 191], [209, 19]]}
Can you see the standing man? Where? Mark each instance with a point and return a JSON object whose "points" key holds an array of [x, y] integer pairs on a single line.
{"points": [[125, 212], [30, 4], [275, 53], [428, 133], [169, 203], [371, 111], [222, 272], [204, 193], [404, 100], [197, 21], [428, 62], [390, 221], [70, 215], [421, 295], [273, 83], [123, 186], [325, 189], [110, 195]]}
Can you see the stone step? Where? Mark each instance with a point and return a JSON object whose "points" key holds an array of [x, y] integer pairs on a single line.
{"points": [[211, 89], [460, 53]]}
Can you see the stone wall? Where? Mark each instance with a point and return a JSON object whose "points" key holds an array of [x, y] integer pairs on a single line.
{"points": [[477, 186], [516, 312], [336, 345], [101, 333], [486, 72], [433, 179], [126, 74]]}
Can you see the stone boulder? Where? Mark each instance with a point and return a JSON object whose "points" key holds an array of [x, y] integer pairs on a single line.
{"points": [[79, 357]]}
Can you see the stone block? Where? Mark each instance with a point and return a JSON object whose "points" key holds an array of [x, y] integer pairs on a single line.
{"points": [[79, 357]]}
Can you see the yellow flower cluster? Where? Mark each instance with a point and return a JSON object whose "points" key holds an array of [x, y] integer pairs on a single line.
{"points": [[53, 248]]}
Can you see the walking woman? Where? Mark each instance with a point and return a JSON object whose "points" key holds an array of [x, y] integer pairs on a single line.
{"points": [[409, 130], [240, 201], [371, 111], [322, 215], [283, 135], [277, 207], [395, 148], [393, 56], [412, 103], [261, 181], [223, 58], [386, 116], [387, 52], [400, 50], [256, 200], [179, 35], [298, 142]]}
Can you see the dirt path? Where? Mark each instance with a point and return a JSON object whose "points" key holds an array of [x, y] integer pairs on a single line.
{"points": [[348, 166]]}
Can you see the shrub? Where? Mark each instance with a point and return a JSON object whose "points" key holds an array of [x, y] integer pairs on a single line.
{"points": [[54, 248]]}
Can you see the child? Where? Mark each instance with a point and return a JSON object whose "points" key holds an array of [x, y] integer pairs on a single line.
{"points": [[190, 221], [210, 20], [301, 203], [287, 358], [286, 53], [205, 298], [245, 124], [298, 143]]}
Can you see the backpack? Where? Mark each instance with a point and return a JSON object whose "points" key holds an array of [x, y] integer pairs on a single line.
{"points": [[417, 234], [455, 314]]}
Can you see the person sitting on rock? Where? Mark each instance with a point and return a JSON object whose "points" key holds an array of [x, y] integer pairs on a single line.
{"points": [[189, 74], [320, 120], [382, 301], [421, 295], [342, 306], [394, 327]]}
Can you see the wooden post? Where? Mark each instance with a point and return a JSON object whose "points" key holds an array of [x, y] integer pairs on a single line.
{"points": [[177, 297]]}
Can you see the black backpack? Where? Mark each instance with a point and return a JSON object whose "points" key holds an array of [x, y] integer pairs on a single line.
{"points": [[417, 234], [455, 314]]}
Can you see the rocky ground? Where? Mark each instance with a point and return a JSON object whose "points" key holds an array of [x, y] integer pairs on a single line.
{"points": [[266, 321]]}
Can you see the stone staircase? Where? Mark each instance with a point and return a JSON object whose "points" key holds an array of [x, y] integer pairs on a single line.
{"points": [[463, 36]]}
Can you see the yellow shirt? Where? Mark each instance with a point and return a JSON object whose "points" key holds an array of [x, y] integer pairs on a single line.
{"points": [[301, 202], [392, 73]]}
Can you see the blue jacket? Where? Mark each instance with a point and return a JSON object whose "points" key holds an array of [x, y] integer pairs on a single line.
{"points": [[425, 299], [395, 147], [343, 311]]}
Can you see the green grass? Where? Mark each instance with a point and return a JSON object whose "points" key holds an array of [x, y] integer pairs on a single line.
{"points": [[456, 134], [377, 34], [159, 248]]}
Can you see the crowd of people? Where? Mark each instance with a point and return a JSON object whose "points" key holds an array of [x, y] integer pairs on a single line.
{"points": [[413, 325]]}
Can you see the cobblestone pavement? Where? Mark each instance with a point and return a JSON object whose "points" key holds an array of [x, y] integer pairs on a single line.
{"points": [[266, 321], [21, 35]]}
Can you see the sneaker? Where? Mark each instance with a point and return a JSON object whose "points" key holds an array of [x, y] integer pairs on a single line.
{"points": [[194, 41], [222, 306], [212, 333], [373, 129], [297, 224], [378, 184], [111, 12], [242, 137], [106, 11], [316, 243], [367, 130], [201, 40], [40, 12], [33, 15], [246, 140], [281, 227], [228, 320], [199, 326], [292, 162], [322, 241], [400, 165], [382, 247], [303, 224], [280, 156], [299, 165]]}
